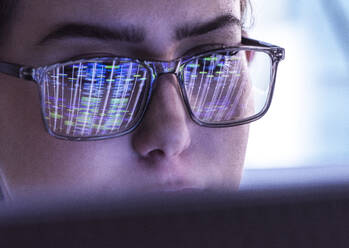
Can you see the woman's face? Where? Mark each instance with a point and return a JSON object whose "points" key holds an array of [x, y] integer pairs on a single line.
{"points": [[167, 152]]}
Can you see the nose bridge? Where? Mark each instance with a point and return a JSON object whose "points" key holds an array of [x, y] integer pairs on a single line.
{"points": [[162, 67], [166, 67]]}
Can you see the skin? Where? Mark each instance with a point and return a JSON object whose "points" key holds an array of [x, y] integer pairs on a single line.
{"points": [[167, 152]]}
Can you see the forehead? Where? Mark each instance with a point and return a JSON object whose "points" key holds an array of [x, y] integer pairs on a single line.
{"points": [[158, 21], [147, 13]]}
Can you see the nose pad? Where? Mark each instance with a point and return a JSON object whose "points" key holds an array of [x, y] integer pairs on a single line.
{"points": [[164, 130]]}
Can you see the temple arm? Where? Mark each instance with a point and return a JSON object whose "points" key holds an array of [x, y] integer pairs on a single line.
{"points": [[16, 70]]}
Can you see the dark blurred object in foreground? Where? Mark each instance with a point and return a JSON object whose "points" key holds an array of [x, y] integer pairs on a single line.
{"points": [[297, 217]]}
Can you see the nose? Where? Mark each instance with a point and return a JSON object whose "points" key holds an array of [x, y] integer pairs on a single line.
{"points": [[164, 131]]}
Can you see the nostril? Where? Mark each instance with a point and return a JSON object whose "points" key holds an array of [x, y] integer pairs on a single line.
{"points": [[155, 154], [153, 157]]}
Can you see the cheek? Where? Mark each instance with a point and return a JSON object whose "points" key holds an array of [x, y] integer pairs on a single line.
{"points": [[232, 149], [220, 155], [48, 164], [19, 110], [231, 144], [20, 121], [223, 139]]}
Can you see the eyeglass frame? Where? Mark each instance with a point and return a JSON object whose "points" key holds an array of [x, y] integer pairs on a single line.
{"points": [[276, 54]]}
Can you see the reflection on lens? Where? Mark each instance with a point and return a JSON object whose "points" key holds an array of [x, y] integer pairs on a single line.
{"points": [[94, 98], [219, 89]]}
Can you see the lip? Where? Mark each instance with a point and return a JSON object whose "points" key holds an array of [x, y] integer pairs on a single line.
{"points": [[179, 189]]}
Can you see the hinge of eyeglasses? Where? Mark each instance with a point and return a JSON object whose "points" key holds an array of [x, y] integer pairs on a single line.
{"points": [[279, 53], [26, 73]]}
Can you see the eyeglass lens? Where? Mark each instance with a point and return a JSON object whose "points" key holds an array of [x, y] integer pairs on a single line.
{"points": [[94, 98], [220, 89], [105, 97]]}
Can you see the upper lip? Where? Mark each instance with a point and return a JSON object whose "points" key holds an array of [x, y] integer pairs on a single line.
{"points": [[176, 188], [185, 190], [170, 176]]}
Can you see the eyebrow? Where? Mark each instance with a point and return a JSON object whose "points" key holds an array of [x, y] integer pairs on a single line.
{"points": [[200, 29], [85, 30], [131, 33]]}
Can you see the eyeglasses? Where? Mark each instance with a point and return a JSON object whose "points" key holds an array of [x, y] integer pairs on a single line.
{"points": [[105, 97]]}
